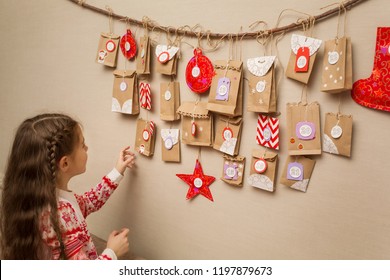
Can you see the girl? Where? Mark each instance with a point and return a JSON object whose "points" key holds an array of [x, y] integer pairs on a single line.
{"points": [[40, 217]]}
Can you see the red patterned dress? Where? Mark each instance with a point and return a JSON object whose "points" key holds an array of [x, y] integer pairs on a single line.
{"points": [[72, 211]]}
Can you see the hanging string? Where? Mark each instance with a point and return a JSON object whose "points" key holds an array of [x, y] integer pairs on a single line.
{"points": [[250, 35], [110, 20]]}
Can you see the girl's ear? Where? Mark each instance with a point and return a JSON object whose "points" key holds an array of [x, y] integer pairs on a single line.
{"points": [[63, 164]]}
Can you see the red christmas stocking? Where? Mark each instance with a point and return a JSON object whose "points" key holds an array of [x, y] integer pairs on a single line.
{"points": [[374, 92]]}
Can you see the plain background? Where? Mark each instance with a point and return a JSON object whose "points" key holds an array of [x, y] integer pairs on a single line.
{"points": [[48, 51]]}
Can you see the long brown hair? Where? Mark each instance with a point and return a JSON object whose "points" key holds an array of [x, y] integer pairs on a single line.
{"points": [[30, 184]]}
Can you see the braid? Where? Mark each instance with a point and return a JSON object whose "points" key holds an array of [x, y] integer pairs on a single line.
{"points": [[52, 149]]}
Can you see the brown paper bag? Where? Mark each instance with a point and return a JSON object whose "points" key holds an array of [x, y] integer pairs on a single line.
{"points": [[337, 66], [197, 124], [107, 51], [226, 88], [338, 134], [298, 42], [143, 56], [125, 93], [145, 137], [303, 128], [169, 101], [262, 85], [227, 135], [170, 145], [233, 170], [297, 172], [166, 59], [263, 170]]}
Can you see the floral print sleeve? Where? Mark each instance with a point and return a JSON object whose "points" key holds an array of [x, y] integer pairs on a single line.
{"points": [[95, 198]]}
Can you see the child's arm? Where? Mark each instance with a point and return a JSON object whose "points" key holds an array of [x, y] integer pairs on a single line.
{"points": [[95, 198]]}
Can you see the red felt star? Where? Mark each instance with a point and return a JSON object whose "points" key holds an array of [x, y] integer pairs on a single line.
{"points": [[198, 182]]}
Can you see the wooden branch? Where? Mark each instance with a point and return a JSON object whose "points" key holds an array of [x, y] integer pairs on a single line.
{"points": [[191, 32]]}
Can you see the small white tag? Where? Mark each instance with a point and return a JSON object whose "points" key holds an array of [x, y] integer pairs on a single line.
{"points": [[336, 132]]}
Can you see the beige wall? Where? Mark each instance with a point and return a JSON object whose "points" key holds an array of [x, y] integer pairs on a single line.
{"points": [[47, 64]]}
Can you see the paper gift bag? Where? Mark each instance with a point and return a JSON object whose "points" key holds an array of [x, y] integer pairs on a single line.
{"points": [[303, 54], [338, 134], [303, 129], [124, 93], [107, 51], [263, 170], [262, 85], [267, 131], [297, 172], [227, 136], [337, 66], [166, 59], [197, 124], [170, 145], [225, 95], [233, 170], [169, 101], [143, 56], [145, 137]]}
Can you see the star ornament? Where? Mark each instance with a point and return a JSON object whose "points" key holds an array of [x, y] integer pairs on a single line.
{"points": [[199, 183]]}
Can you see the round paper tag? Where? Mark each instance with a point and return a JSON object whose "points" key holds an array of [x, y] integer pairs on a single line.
{"points": [[230, 172], [336, 132], [301, 62], [295, 172], [123, 86], [167, 95], [222, 90], [260, 86], [145, 135], [195, 71], [305, 130], [110, 46], [260, 165], [267, 134], [193, 128], [168, 143], [198, 183], [227, 133], [333, 57], [163, 57], [127, 46]]}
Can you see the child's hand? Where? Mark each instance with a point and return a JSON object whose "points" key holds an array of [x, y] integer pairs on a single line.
{"points": [[118, 242], [126, 160]]}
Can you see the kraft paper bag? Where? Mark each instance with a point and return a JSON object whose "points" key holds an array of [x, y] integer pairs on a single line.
{"points": [[124, 93], [169, 101], [338, 134], [262, 85], [197, 124], [145, 137], [337, 66], [170, 145], [233, 170], [303, 54], [166, 59], [263, 170], [143, 56], [303, 128], [107, 51], [297, 172], [227, 136], [225, 95]]}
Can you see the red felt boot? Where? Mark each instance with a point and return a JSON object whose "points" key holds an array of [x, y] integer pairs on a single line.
{"points": [[374, 92]]}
